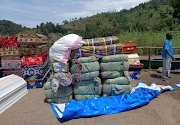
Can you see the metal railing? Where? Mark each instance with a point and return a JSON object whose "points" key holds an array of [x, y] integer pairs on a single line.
{"points": [[149, 52]]}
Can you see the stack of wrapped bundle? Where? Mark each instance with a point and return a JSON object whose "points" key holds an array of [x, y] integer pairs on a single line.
{"points": [[135, 66], [59, 88], [86, 83], [98, 47], [116, 79], [10, 57], [35, 62]]}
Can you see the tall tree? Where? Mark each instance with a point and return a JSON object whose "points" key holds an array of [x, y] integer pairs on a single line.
{"points": [[176, 5]]}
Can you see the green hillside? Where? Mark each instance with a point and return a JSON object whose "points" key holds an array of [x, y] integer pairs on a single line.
{"points": [[156, 15], [9, 28]]}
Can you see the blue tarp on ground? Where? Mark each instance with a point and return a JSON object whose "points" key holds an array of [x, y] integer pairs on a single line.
{"points": [[141, 95], [178, 85]]}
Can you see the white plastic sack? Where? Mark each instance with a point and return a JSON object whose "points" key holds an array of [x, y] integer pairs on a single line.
{"points": [[60, 50]]}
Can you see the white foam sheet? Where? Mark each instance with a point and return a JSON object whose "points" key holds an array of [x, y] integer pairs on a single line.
{"points": [[12, 88]]}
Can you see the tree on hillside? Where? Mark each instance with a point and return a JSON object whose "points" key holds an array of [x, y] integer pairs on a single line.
{"points": [[176, 5], [9, 28]]}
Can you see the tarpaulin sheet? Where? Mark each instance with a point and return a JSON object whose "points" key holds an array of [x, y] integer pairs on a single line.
{"points": [[141, 95]]}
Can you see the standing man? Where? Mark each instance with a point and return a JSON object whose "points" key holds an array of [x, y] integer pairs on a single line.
{"points": [[167, 55]]}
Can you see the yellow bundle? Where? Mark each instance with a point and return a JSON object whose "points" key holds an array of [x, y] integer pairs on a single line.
{"points": [[101, 41], [98, 51]]}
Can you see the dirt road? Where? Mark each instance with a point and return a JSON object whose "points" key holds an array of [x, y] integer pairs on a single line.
{"points": [[163, 110]]}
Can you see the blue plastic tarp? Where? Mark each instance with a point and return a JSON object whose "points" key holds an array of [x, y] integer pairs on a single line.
{"points": [[141, 95]]}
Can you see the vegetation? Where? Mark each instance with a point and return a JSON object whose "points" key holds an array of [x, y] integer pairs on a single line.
{"points": [[150, 39], [145, 24], [8, 28], [153, 16]]}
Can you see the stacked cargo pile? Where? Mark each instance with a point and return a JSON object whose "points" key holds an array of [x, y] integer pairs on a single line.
{"points": [[85, 67], [113, 67], [135, 66], [35, 63], [59, 88], [116, 79], [10, 57], [86, 83]]}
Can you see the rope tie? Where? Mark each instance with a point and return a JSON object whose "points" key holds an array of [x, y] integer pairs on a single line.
{"points": [[80, 52], [104, 41], [88, 42], [111, 40], [106, 50], [92, 42], [114, 49]]}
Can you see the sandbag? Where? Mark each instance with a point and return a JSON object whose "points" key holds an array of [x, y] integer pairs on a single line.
{"points": [[115, 90], [85, 76], [85, 67], [62, 92], [90, 87], [115, 58], [85, 97], [84, 60], [119, 81], [115, 66], [87, 90], [60, 50], [97, 51], [60, 99], [101, 41], [111, 74]]}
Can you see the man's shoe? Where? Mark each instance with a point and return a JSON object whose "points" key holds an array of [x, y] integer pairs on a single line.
{"points": [[169, 77], [164, 78]]}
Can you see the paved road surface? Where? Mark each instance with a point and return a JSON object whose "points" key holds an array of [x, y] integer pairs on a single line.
{"points": [[163, 110]]}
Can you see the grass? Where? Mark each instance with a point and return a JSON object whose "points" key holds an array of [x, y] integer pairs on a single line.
{"points": [[150, 39]]}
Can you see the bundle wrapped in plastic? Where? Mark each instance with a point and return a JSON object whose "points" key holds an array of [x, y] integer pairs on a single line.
{"points": [[63, 95], [101, 41], [87, 89], [118, 81], [111, 74], [120, 66], [97, 51], [84, 60], [61, 79], [60, 67], [115, 89], [115, 58], [85, 68]]}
